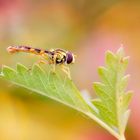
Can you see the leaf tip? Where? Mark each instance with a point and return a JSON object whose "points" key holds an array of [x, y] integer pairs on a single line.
{"points": [[120, 50]]}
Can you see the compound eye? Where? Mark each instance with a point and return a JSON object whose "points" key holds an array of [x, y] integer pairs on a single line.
{"points": [[69, 58]]}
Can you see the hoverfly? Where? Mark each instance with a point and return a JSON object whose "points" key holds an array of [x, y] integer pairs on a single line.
{"points": [[53, 56]]}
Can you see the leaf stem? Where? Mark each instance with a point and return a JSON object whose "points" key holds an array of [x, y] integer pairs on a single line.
{"points": [[122, 137], [104, 125]]}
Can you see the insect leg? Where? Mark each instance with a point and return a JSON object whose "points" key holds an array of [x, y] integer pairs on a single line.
{"points": [[38, 62], [66, 70], [41, 62], [53, 68], [52, 63]]}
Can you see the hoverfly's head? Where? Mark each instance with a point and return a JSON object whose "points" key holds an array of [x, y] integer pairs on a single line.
{"points": [[70, 58]]}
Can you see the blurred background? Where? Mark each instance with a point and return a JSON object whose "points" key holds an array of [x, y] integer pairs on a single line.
{"points": [[86, 27]]}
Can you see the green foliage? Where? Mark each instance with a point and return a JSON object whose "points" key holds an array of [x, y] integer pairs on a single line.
{"points": [[110, 109], [49, 84], [113, 99]]}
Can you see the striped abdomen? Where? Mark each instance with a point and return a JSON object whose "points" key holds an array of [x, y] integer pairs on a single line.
{"points": [[14, 49], [57, 56]]}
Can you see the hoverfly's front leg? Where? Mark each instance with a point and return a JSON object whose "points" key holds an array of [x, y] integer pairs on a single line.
{"points": [[53, 63], [53, 68], [66, 70]]}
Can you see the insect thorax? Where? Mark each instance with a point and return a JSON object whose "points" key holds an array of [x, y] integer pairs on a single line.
{"points": [[60, 56]]}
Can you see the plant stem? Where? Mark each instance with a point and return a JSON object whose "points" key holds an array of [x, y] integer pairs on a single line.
{"points": [[122, 137], [110, 130]]}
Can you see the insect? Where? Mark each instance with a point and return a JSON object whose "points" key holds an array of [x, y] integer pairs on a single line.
{"points": [[53, 56]]}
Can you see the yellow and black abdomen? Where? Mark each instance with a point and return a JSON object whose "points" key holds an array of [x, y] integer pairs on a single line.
{"points": [[27, 49]]}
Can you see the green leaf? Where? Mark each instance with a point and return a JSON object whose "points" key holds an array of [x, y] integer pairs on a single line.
{"points": [[110, 109], [114, 100], [46, 83]]}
